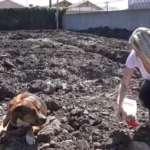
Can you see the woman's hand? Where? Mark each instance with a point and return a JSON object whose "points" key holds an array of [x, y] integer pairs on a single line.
{"points": [[122, 115], [119, 113]]}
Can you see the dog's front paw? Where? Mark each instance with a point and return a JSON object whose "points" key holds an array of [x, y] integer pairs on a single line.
{"points": [[30, 140]]}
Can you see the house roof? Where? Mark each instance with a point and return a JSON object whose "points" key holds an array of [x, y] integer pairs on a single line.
{"points": [[12, 1], [76, 4], [61, 2], [79, 4]]}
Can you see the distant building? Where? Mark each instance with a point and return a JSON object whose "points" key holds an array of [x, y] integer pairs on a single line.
{"points": [[10, 4], [83, 7], [63, 4], [138, 4]]}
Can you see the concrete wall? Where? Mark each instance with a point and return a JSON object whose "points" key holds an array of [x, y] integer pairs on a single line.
{"points": [[128, 19]]}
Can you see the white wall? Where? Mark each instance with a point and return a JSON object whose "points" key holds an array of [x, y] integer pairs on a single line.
{"points": [[128, 19]]}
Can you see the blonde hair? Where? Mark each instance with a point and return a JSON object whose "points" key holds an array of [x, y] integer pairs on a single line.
{"points": [[140, 40]]}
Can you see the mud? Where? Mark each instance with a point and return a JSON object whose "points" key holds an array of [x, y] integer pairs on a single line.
{"points": [[77, 75]]}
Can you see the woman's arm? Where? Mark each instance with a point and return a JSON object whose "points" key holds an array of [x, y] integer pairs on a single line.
{"points": [[124, 85]]}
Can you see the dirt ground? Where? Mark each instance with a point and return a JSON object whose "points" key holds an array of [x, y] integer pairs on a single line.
{"points": [[77, 75]]}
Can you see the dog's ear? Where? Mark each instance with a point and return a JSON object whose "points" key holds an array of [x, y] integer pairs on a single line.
{"points": [[22, 109], [18, 112]]}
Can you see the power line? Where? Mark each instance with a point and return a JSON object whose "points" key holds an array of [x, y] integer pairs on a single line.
{"points": [[108, 1]]}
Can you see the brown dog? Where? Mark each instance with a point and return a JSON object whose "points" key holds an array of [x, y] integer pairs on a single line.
{"points": [[26, 110]]}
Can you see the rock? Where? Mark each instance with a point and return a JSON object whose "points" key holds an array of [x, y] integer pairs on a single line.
{"points": [[84, 121], [6, 92], [56, 123], [4, 56], [65, 131], [50, 119], [20, 61], [86, 112], [92, 116], [1, 69], [97, 145], [95, 138], [58, 86], [9, 64], [135, 145], [63, 72], [64, 119], [44, 136], [52, 129], [35, 86], [95, 132], [110, 141], [105, 113], [68, 88], [76, 112], [83, 145], [74, 123], [103, 126], [45, 86], [64, 107], [64, 86], [69, 128], [52, 105], [45, 146], [67, 143], [54, 144], [48, 88]]}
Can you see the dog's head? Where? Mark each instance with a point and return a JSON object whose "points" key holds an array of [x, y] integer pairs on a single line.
{"points": [[27, 114]]}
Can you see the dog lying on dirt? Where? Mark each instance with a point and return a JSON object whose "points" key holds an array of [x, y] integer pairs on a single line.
{"points": [[25, 110]]}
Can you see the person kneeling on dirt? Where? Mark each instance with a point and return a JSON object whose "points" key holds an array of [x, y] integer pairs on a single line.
{"points": [[140, 58]]}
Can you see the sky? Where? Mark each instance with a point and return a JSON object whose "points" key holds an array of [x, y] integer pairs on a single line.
{"points": [[121, 4]]}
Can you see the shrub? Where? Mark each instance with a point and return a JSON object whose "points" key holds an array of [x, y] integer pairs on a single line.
{"points": [[29, 18]]}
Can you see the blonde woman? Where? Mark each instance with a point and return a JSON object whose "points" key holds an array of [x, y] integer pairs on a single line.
{"points": [[140, 58]]}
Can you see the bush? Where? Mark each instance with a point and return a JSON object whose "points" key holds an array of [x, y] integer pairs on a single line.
{"points": [[29, 18]]}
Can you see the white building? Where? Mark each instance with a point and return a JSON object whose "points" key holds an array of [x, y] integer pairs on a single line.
{"points": [[138, 4]]}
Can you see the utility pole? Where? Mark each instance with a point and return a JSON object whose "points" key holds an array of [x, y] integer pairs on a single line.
{"points": [[57, 16], [50, 3], [107, 6]]}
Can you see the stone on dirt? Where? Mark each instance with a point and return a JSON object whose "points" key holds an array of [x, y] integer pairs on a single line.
{"points": [[50, 130]]}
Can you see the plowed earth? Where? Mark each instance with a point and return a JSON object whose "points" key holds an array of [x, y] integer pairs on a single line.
{"points": [[77, 75]]}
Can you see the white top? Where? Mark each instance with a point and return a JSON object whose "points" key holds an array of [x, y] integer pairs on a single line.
{"points": [[134, 61]]}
